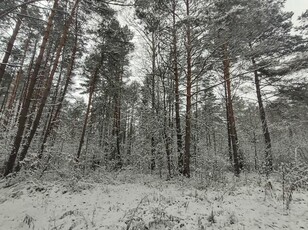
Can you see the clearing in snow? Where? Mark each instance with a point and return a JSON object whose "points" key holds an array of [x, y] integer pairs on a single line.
{"points": [[146, 202]]}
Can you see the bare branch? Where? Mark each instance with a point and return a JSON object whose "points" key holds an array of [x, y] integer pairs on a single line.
{"points": [[11, 9]]}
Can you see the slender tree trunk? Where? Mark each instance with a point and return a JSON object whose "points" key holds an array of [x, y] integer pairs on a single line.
{"points": [[266, 133], [18, 78], [25, 107], [195, 127], [166, 127], [6, 95], [50, 115], [102, 121], [20, 102], [255, 150], [48, 85], [39, 86], [130, 132], [215, 142], [24, 90], [11, 42], [124, 129], [91, 92], [177, 93], [231, 118], [116, 155], [171, 116], [15, 86], [168, 145], [186, 171], [153, 151], [228, 126], [240, 152]]}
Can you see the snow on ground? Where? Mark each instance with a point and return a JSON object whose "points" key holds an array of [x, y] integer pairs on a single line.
{"points": [[244, 203]]}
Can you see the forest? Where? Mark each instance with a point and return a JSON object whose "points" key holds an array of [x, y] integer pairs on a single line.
{"points": [[153, 114]]}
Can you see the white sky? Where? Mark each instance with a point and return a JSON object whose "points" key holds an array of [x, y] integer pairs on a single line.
{"points": [[297, 6]]}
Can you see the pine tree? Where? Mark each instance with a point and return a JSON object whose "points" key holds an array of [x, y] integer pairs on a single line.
{"points": [[48, 85], [26, 105]]}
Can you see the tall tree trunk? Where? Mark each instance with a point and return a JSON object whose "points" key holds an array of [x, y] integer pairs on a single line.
{"points": [[176, 89], [15, 86], [39, 85], [131, 131], [266, 133], [11, 42], [48, 85], [25, 107], [228, 125], [50, 114], [24, 90], [69, 74], [85, 124], [255, 150], [153, 150], [166, 129], [236, 158], [186, 171], [195, 127], [116, 153]]}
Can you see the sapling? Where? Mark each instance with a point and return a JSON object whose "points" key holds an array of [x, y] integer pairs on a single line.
{"points": [[268, 190], [211, 218]]}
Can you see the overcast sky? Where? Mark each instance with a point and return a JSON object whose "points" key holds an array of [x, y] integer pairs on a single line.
{"points": [[297, 6]]}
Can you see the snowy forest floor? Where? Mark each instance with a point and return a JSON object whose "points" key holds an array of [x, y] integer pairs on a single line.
{"points": [[131, 201]]}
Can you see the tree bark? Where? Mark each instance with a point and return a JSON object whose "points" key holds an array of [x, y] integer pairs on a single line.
{"points": [[23, 92], [228, 126], [15, 86], [11, 42], [116, 152], [6, 95], [25, 107], [167, 138], [130, 131], [236, 158], [50, 113], [55, 117], [153, 150], [265, 129], [176, 90], [85, 124], [186, 171], [48, 85]]}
